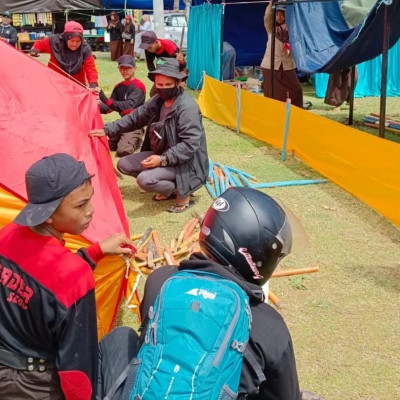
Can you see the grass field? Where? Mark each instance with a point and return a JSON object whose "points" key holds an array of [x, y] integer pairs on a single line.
{"points": [[345, 319]]}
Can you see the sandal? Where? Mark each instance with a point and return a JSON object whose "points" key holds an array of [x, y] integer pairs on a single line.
{"points": [[180, 207], [156, 197]]}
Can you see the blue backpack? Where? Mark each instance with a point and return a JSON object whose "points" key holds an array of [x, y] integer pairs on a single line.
{"points": [[195, 339]]}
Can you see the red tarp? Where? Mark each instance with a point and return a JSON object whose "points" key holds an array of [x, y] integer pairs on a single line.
{"points": [[42, 113]]}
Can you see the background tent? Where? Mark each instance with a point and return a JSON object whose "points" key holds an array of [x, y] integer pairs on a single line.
{"points": [[43, 113], [321, 40], [248, 36], [30, 6]]}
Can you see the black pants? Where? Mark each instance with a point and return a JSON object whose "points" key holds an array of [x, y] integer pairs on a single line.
{"points": [[116, 350]]}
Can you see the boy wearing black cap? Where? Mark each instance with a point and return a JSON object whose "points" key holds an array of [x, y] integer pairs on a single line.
{"points": [[156, 48], [7, 32], [125, 97], [48, 335]]}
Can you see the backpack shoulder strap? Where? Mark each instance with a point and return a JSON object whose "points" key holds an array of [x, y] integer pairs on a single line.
{"points": [[119, 381], [255, 366]]}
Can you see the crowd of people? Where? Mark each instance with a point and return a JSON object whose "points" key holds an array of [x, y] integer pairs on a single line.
{"points": [[48, 339]]}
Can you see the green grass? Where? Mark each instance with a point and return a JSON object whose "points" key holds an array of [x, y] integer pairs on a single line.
{"points": [[345, 319]]}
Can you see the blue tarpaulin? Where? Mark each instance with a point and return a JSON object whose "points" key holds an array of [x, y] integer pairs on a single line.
{"points": [[322, 42], [369, 77]]}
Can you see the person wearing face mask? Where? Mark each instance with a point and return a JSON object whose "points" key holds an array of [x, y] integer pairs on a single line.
{"points": [[70, 55], [285, 78], [173, 161]]}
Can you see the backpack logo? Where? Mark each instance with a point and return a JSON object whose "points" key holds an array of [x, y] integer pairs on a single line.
{"points": [[202, 292], [220, 204]]}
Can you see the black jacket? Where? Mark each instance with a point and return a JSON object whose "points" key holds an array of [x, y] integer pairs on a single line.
{"points": [[125, 97], [270, 342], [184, 132]]}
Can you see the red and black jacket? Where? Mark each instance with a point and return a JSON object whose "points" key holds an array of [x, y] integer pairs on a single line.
{"points": [[47, 306], [125, 97], [88, 73], [168, 50]]}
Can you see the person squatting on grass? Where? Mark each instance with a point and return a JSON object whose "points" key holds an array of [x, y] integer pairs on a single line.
{"points": [[69, 54], [248, 255], [125, 97], [173, 161], [48, 325]]}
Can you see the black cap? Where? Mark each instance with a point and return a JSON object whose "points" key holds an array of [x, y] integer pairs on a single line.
{"points": [[167, 67], [6, 14], [126, 61], [147, 37], [48, 181]]}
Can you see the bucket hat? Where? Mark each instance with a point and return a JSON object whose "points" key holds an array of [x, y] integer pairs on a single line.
{"points": [[48, 181], [167, 67]]}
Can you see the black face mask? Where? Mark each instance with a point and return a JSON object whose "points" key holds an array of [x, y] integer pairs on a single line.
{"points": [[169, 93]]}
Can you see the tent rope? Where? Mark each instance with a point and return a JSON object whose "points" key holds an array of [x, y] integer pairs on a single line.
{"points": [[66, 73]]}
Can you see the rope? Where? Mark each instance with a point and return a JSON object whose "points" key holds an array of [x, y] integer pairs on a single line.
{"points": [[66, 73]]}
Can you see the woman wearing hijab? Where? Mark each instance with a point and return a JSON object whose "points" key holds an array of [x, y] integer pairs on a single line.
{"points": [[128, 36], [115, 28], [69, 54], [285, 78]]}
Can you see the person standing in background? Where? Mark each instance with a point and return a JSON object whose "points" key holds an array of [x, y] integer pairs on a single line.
{"points": [[128, 36], [8, 33], [145, 25], [285, 79], [115, 28]]}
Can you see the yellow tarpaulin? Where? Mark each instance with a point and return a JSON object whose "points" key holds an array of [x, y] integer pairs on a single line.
{"points": [[363, 164]]}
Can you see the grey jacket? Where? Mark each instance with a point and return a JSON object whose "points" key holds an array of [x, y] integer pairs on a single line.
{"points": [[184, 132]]}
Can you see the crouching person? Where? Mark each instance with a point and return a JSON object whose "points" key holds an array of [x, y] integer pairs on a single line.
{"points": [[246, 254], [48, 326], [173, 161]]}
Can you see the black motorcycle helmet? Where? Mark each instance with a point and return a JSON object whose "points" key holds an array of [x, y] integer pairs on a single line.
{"points": [[248, 230]]}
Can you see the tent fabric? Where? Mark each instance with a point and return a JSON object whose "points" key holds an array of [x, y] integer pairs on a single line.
{"points": [[354, 11], [369, 82], [204, 43], [362, 164], [243, 28], [30, 6], [321, 41], [43, 113]]}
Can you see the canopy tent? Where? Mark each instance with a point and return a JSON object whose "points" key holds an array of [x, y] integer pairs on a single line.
{"points": [[139, 4], [51, 114], [31, 6]]}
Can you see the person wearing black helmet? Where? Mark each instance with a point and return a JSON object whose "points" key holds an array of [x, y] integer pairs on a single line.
{"points": [[248, 254], [244, 235]]}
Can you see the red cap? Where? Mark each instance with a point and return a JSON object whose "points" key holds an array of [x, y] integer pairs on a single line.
{"points": [[73, 27], [128, 17]]}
